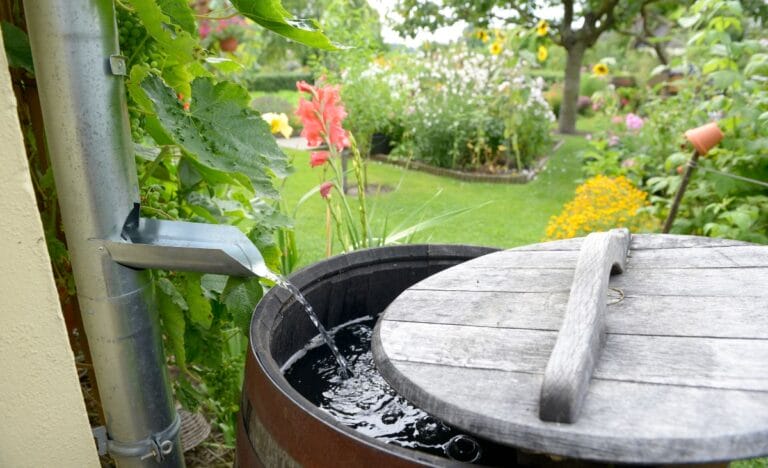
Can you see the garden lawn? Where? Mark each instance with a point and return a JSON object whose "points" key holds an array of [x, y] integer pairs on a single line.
{"points": [[504, 215]]}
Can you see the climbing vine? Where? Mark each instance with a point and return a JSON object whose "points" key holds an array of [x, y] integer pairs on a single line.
{"points": [[204, 155]]}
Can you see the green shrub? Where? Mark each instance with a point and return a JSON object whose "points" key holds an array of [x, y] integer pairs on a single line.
{"points": [[731, 89], [464, 108], [590, 84], [554, 97], [276, 81]]}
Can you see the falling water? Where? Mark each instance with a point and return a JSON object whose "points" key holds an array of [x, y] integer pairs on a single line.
{"points": [[327, 338]]}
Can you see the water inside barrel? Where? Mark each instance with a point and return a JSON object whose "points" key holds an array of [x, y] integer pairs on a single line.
{"points": [[366, 403]]}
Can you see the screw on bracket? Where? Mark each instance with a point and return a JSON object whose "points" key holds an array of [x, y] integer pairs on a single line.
{"points": [[118, 65]]}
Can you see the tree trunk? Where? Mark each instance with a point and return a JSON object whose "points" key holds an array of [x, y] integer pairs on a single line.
{"points": [[569, 104]]}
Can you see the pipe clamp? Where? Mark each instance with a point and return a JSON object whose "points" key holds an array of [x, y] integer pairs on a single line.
{"points": [[158, 445]]}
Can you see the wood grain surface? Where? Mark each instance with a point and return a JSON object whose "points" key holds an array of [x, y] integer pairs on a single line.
{"points": [[682, 377]]}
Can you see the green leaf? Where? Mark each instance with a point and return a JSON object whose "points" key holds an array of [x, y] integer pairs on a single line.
{"points": [[181, 14], [725, 78], [758, 65], [199, 306], [172, 317], [241, 296], [172, 37], [224, 64], [220, 131], [270, 14], [17, 47], [169, 289], [688, 21]]}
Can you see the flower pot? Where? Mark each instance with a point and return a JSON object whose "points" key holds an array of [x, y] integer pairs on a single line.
{"points": [[705, 137], [228, 44]]}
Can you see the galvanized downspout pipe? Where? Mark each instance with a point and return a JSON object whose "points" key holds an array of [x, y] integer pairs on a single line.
{"points": [[79, 75], [84, 109]]}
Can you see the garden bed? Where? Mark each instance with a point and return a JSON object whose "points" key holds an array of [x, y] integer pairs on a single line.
{"points": [[512, 177]]}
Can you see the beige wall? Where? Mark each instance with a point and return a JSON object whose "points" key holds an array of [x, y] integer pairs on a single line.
{"points": [[43, 422]]}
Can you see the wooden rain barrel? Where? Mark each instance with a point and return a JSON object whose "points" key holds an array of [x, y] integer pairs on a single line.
{"points": [[277, 425], [651, 351]]}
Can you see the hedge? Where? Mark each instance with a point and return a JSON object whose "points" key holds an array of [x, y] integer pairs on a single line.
{"points": [[276, 81]]}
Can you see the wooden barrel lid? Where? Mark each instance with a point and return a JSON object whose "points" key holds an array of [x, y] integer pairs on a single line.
{"points": [[680, 376]]}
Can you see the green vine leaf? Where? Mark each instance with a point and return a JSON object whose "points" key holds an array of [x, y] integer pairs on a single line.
{"points": [[270, 14], [180, 13], [240, 296], [220, 131], [169, 304], [178, 43], [199, 306]]}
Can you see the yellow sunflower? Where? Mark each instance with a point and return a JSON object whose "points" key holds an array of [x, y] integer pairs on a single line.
{"points": [[482, 34], [496, 48], [600, 69], [542, 53], [542, 28]]}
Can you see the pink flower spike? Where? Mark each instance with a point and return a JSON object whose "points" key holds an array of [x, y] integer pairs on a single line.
{"points": [[634, 122], [325, 189], [318, 158], [305, 87]]}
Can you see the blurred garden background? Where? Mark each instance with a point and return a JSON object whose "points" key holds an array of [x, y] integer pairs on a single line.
{"points": [[306, 125]]}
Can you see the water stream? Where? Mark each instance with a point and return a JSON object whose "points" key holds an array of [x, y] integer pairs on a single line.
{"points": [[343, 366]]}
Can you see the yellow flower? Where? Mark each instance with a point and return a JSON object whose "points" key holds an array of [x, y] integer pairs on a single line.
{"points": [[600, 69], [542, 54], [278, 123], [602, 203], [499, 34], [496, 48], [482, 34], [542, 28]]}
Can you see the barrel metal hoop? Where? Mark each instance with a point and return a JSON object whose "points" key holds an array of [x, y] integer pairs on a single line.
{"points": [[158, 445]]}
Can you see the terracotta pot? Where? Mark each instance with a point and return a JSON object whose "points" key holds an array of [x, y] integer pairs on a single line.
{"points": [[228, 44], [705, 137]]}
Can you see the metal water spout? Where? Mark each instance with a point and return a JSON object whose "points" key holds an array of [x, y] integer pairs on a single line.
{"points": [[80, 75], [178, 245]]}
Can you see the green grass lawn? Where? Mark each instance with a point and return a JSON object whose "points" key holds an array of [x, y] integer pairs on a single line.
{"points": [[507, 215]]}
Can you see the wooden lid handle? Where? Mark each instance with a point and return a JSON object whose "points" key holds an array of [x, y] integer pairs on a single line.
{"points": [[582, 334]]}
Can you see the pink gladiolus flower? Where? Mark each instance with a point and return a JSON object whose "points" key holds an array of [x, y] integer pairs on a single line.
{"points": [[634, 122], [318, 158], [325, 189], [204, 29], [322, 116]]}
